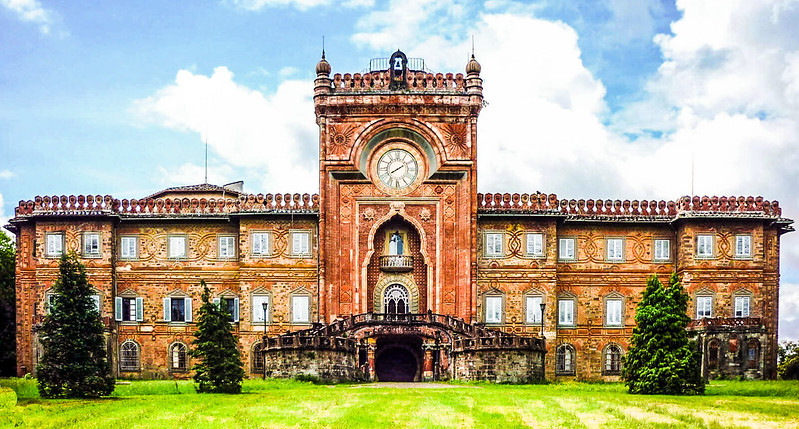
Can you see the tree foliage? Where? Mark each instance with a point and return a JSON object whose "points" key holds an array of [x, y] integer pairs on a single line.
{"points": [[220, 368], [661, 359], [788, 360], [8, 309], [74, 362]]}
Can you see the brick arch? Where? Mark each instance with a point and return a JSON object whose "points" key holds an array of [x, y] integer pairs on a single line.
{"points": [[363, 143], [397, 210], [405, 280]]}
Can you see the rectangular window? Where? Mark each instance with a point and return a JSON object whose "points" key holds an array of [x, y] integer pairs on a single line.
{"points": [[615, 249], [566, 312], [533, 309], [177, 309], [261, 243], [97, 303], [300, 306], [493, 309], [231, 306], [129, 247], [55, 245], [177, 246], [493, 244], [227, 246], [128, 309], [566, 249], [49, 301], [535, 245], [300, 243], [91, 244], [743, 246], [613, 312], [741, 306], [704, 246], [662, 250], [258, 302], [704, 306]]}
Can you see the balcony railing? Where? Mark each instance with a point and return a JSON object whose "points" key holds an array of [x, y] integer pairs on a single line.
{"points": [[396, 263], [712, 322]]}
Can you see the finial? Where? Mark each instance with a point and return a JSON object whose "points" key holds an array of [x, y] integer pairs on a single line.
{"points": [[323, 46]]}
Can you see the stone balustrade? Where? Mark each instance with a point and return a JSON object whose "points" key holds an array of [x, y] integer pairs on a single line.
{"points": [[89, 204], [550, 203], [417, 81]]}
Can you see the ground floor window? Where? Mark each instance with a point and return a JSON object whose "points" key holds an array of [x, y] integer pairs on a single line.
{"points": [[612, 360], [713, 355], [565, 360], [177, 357], [129, 356], [257, 360], [752, 354]]}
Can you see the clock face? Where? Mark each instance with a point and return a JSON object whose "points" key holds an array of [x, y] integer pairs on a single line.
{"points": [[397, 168]]}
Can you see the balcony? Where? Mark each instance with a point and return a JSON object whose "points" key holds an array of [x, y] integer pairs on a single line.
{"points": [[396, 263]]}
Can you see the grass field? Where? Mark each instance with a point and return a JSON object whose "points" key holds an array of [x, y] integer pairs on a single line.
{"points": [[272, 403]]}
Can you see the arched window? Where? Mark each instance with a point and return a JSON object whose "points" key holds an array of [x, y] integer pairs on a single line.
{"points": [[177, 357], [129, 356], [612, 360], [713, 354], [395, 299], [752, 354], [565, 356], [257, 359], [395, 244]]}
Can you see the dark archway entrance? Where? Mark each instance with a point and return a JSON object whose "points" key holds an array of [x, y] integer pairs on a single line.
{"points": [[398, 359]]}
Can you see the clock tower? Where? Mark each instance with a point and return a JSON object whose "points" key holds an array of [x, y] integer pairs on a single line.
{"points": [[398, 188]]}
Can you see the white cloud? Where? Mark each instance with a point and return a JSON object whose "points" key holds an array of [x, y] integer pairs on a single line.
{"points": [[6, 174], [255, 5], [726, 95], [275, 133], [31, 11]]}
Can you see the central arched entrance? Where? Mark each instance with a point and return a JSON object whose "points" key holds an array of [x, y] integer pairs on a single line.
{"points": [[398, 359]]}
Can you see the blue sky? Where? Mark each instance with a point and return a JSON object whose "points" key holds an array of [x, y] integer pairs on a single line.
{"points": [[587, 99]]}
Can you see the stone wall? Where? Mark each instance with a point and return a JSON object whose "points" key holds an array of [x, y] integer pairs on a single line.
{"points": [[327, 365], [498, 366]]}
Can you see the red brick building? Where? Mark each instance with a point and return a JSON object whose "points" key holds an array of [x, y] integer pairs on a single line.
{"points": [[399, 268]]}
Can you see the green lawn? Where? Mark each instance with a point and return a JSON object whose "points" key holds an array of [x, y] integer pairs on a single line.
{"points": [[170, 404]]}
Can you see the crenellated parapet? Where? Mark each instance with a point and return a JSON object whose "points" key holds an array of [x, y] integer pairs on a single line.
{"points": [[416, 81], [103, 205], [686, 206]]}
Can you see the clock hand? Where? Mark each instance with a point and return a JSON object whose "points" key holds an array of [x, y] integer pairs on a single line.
{"points": [[395, 170]]}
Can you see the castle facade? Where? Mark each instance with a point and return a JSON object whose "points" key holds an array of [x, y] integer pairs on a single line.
{"points": [[399, 269]]}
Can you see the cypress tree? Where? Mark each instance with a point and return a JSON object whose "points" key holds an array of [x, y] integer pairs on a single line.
{"points": [[74, 363], [661, 359], [220, 368]]}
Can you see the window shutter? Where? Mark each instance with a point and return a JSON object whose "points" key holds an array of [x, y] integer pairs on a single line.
{"points": [[167, 313], [296, 244], [139, 309], [118, 309], [235, 309], [188, 309], [96, 299]]}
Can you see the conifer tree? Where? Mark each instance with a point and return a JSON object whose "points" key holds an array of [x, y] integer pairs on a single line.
{"points": [[220, 368], [661, 359], [8, 309], [74, 362]]}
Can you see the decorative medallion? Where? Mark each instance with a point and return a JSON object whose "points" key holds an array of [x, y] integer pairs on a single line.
{"points": [[339, 139], [369, 214], [455, 140], [424, 214]]}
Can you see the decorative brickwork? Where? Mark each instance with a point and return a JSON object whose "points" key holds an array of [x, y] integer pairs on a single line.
{"points": [[462, 275]]}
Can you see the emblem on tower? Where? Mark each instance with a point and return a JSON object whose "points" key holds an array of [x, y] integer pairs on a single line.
{"points": [[398, 69]]}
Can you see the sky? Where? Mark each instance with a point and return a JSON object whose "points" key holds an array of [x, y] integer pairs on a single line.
{"points": [[586, 99]]}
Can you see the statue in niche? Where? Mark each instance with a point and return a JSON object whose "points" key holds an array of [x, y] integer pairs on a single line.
{"points": [[395, 244]]}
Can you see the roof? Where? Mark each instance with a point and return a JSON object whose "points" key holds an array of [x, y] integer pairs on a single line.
{"points": [[199, 188]]}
